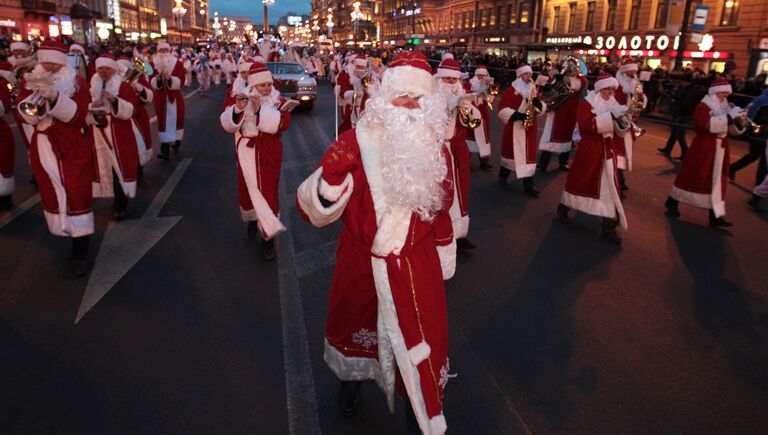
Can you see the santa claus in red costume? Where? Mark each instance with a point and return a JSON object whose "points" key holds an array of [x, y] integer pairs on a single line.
{"points": [[239, 86], [142, 126], [592, 186], [480, 137], [7, 145], [703, 176], [628, 85], [518, 143], [448, 73], [60, 154], [351, 92], [112, 133], [22, 62], [167, 77], [389, 182], [561, 121], [258, 119]]}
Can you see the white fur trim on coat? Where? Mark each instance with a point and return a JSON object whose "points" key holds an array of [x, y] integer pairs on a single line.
{"points": [[64, 110], [349, 368], [718, 125], [333, 193], [419, 353], [124, 110], [52, 56], [506, 113], [309, 201], [447, 255], [7, 185], [408, 79], [269, 120], [604, 124]]}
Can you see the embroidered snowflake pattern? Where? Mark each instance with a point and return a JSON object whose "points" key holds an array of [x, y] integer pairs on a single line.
{"points": [[365, 338], [445, 375]]}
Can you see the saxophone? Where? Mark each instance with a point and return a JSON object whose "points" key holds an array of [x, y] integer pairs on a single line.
{"points": [[530, 110]]}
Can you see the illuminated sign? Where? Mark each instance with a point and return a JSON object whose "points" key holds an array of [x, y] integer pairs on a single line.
{"points": [[104, 25], [53, 30], [626, 42], [293, 20], [7, 23], [703, 54], [495, 39], [103, 33], [442, 41], [113, 11], [66, 26], [163, 26]]}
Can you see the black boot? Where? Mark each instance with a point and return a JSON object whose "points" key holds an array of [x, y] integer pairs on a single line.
{"points": [[562, 213], [754, 202], [164, 153], [140, 175], [503, 175], [563, 161], [6, 203], [485, 164], [120, 203], [253, 230], [411, 424], [528, 187], [268, 249], [672, 207], [176, 146], [464, 244], [715, 221], [609, 231], [347, 398], [544, 159], [622, 181], [80, 254]]}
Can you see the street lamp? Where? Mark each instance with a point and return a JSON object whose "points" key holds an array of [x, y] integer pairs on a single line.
{"points": [[179, 11], [216, 26], [357, 15], [267, 3]]}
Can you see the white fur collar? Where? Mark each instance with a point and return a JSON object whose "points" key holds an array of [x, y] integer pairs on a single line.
{"points": [[522, 88], [627, 83], [718, 108]]}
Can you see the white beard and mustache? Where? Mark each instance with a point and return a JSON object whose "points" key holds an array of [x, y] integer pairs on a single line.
{"points": [[164, 62], [454, 89], [413, 166], [63, 81], [112, 86]]}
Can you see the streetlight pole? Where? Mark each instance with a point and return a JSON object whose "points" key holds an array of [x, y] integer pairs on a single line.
{"points": [[267, 3], [178, 11], [356, 16], [683, 36]]}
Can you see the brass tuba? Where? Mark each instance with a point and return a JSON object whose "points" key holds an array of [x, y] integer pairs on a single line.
{"points": [[467, 119], [137, 70]]}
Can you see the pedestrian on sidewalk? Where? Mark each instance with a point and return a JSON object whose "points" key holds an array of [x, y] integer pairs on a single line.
{"points": [[684, 101], [389, 182]]}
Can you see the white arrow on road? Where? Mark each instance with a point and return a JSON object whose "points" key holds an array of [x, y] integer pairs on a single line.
{"points": [[126, 243]]}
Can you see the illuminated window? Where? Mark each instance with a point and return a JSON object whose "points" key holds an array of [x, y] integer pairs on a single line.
{"points": [[571, 17], [610, 22], [590, 22], [730, 13], [512, 13], [634, 14], [524, 10], [662, 6]]}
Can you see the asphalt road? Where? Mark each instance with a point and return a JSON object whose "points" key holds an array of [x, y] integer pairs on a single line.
{"points": [[552, 329]]}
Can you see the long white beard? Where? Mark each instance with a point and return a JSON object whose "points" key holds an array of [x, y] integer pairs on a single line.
{"points": [[600, 106], [112, 86], [627, 83], [413, 166], [522, 88], [454, 89], [719, 108], [164, 62], [63, 81]]}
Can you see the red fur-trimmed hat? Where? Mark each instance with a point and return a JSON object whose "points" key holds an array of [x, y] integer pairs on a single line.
{"points": [[53, 52], [409, 72], [720, 85], [606, 80], [449, 68], [106, 60], [258, 74]]}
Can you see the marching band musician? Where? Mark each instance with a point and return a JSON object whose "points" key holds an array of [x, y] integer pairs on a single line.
{"points": [[518, 143], [22, 61], [167, 77], [240, 83], [258, 118], [702, 179], [113, 136], [144, 96], [592, 183], [83, 66], [60, 155], [447, 75], [216, 62], [229, 69], [7, 145], [558, 128], [480, 84], [629, 86], [352, 92]]}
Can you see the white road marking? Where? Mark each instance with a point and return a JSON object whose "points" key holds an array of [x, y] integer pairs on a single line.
{"points": [[7, 218], [127, 242], [301, 401]]}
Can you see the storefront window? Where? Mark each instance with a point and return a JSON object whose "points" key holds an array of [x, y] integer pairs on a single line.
{"points": [[730, 13], [717, 66], [590, 22], [555, 19], [653, 63], [661, 14], [610, 22], [634, 14], [571, 17]]}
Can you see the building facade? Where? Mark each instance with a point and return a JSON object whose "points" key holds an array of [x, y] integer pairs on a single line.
{"points": [[732, 34]]}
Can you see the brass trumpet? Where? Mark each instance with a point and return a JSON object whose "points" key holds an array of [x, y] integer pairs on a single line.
{"points": [[35, 105], [467, 119], [138, 69]]}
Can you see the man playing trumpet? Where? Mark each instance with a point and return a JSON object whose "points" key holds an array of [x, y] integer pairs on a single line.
{"points": [[258, 118], [630, 92], [166, 81], [483, 86], [113, 135], [352, 91], [54, 101], [144, 95]]}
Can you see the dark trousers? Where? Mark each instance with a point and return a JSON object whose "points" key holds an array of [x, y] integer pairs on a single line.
{"points": [[120, 202], [756, 152], [677, 134], [546, 156]]}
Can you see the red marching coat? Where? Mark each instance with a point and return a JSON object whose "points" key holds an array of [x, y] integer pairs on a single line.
{"points": [[141, 114], [624, 145], [345, 93], [259, 154], [559, 126], [114, 145], [592, 185], [169, 104], [481, 136], [62, 161], [702, 179], [518, 145], [459, 151], [7, 145], [390, 266]]}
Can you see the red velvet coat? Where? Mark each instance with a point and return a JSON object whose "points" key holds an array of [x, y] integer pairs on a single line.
{"points": [[7, 145], [142, 116], [164, 95], [561, 123], [345, 85], [520, 157]]}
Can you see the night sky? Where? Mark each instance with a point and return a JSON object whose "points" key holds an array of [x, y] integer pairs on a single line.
{"points": [[255, 8]]}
